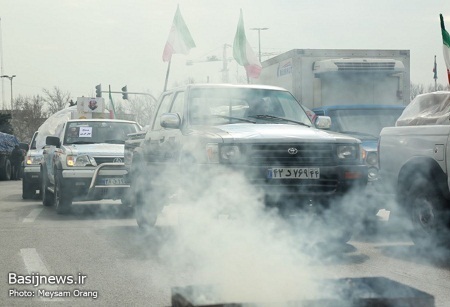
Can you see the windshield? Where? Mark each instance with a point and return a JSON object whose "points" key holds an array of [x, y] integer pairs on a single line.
{"points": [[363, 123], [33, 141], [224, 105], [98, 132]]}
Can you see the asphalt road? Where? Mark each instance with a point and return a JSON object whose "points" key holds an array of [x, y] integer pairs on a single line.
{"points": [[114, 263]]}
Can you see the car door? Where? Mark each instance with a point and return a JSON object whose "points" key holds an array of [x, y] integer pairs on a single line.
{"points": [[156, 134], [52, 153], [170, 139]]}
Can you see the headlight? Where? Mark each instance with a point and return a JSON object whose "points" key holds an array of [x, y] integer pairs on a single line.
{"points": [[34, 159], [372, 158], [372, 173], [230, 153], [83, 160], [347, 152], [212, 152]]}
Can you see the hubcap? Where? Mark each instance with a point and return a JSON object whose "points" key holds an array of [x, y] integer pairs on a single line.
{"points": [[425, 214]]}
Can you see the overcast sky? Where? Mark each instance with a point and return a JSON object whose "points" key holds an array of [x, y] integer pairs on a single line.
{"points": [[77, 44]]}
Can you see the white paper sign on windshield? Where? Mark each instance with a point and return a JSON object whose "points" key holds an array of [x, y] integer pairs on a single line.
{"points": [[85, 132]]}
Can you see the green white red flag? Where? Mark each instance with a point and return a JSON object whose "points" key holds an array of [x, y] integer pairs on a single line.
{"points": [[180, 39], [446, 41], [243, 53]]}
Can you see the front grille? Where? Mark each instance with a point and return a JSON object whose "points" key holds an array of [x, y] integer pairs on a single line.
{"points": [[363, 66], [303, 154], [101, 160]]}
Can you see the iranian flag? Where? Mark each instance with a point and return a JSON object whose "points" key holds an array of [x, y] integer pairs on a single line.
{"points": [[446, 40], [180, 40], [243, 53]]}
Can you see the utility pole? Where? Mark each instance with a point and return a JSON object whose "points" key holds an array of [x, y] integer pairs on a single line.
{"points": [[1, 67], [259, 39], [10, 79], [225, 64]]}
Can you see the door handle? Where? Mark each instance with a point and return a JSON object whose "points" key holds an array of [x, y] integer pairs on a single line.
{"points": [[162, 139]]}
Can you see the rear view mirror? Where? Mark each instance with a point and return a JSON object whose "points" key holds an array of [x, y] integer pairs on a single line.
{"points": [[170, 120], [52, 141], [323, 122], [23, 146]]}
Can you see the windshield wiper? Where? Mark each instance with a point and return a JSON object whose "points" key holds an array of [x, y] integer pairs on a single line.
{"points": [[236, 118], [279, 118], [359, 133], [116, 141], [81, 142]]}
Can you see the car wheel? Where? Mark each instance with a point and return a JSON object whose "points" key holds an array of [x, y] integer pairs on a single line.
{"points": [[63, 199], [429, 216], [28, 190], [47, 198], [6, 170], [146, 210]]}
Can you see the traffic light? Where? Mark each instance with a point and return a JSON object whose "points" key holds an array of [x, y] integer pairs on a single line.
{"points": [[124, 92], [98, 90]]}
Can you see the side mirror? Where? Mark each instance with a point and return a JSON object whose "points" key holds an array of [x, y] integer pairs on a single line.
{"points": [[53, 141], [170, 121], [23, 146], [323, 122]]}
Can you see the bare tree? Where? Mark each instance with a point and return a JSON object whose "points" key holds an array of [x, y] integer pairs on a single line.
{"points": [[416, 89], [27, 116], [438, 87], [143, 107], [56, 99]]}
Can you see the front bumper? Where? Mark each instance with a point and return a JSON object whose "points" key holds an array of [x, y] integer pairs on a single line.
{"points": [[95, 183], [31, 173]]}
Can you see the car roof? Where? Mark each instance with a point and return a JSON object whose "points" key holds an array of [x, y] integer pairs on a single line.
{"points": [[227, 86]]}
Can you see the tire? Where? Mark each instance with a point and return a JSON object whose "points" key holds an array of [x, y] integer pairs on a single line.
{"points": [[63, 198], [6, 170], [47, 198], [28, 190], [429, 214], [146, 213]]}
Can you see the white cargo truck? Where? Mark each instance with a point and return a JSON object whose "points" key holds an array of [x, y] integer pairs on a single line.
{"points": [[324, 77]]}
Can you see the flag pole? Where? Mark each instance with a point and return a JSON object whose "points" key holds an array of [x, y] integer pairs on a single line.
{"points": [[167, 75], [435, 74], [112, 109]]}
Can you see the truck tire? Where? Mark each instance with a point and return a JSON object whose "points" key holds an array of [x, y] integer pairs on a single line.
{"points": [[146, 210], [430, 217], [28, 190], [63, 197], [5, 170], [47, 197]]}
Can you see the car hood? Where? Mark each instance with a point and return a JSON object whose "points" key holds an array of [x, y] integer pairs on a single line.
{"points": [[280, 133], [370, 145], [101, 149], [35, 152]]}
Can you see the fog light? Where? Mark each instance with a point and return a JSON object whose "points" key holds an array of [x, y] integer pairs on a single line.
{"points": [[372, 173]]}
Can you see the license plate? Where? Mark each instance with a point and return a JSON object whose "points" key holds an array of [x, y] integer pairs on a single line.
{"points": [[294, 173], [113, 181]]}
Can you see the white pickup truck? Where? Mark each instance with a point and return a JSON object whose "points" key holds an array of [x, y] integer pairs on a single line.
{"points": [[83, 160], [414, 165]]}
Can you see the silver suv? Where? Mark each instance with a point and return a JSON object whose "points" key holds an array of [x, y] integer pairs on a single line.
{"points": [[31, 169], [84, 161]]}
